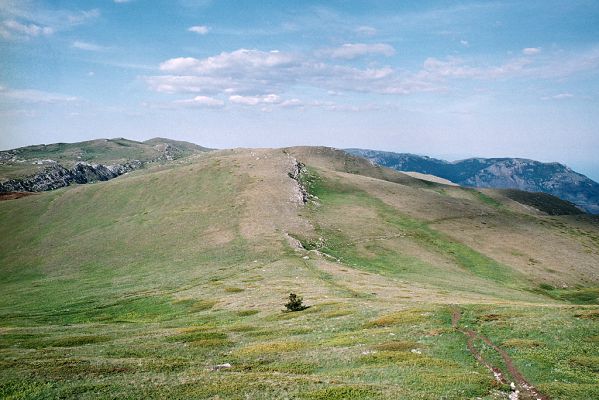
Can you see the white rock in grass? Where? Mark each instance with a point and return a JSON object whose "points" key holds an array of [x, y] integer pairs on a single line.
{"points": [[221, 366]]}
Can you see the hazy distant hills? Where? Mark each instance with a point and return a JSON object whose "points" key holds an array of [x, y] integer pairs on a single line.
{"points": [[499, 173]]}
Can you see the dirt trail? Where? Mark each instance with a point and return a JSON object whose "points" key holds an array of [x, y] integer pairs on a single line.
{"points": [[14, 195], [520, 384]]}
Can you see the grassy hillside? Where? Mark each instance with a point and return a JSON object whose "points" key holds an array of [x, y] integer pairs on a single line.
{"points": [[141, 286], [28, 160]]}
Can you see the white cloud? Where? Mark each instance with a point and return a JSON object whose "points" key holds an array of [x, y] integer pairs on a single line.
{"points": [[194, 84], [464, 43], [564, 65], [87, 46], [122, 1], [248, 76], [27, 19], [179, 64], [199, 29], [201, 101], [563, 96], [250, 73], [353, 50], [81, 17], [242, 59], [531, 51], [453, 67], [35, 96], [255, 100], [292, 103], [366, 31], [13, 29], [560, 96]]}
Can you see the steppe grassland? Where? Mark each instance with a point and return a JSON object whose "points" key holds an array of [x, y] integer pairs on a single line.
{"points": [[137, 287]]}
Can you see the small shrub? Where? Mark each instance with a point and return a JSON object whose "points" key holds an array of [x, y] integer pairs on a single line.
{"points": [[395, 345], [202, 305], [524, 343], [295, 303], [591, 362], [396, 318], [246, 313], [271, 348], [74, 341], [233, 290]]}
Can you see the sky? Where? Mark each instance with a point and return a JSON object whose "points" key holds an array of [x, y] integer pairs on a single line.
{"points": [[449, 79]]}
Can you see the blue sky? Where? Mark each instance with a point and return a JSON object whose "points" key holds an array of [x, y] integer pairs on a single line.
{"points": [[451, 79]]}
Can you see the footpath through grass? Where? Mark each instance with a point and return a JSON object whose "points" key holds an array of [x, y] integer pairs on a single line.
{"points": [[155, 287]]}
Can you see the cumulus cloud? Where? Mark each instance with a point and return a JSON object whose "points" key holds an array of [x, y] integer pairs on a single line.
{"points": [[28, 19], [201, 101], [13, 29], [242, 59], [194, 84], [255, 100], [353, 50], [531, 51], [366, 31], [253, 77], [199, 29], [292, 103], [251, 73]]}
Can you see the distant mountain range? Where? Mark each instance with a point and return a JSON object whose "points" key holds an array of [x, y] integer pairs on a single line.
{"points": [[499, 173]]}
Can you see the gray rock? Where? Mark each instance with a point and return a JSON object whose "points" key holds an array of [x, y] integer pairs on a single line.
{"points": [[56, 176]]}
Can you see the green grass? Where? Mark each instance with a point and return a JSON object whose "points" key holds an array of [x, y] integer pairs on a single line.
{"points": [[557, 358], [588, 295], [136, 288], [380, 256], [101, 151], [485, 198]]}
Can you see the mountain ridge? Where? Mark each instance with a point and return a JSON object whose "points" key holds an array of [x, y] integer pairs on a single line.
{"points": [[499, 173], [44, 167]]}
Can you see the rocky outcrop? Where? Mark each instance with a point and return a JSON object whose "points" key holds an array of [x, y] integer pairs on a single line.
{"points": [[56, 176], [297, 170]]}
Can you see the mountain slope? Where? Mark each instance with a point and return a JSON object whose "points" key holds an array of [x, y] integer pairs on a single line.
{"points": [[501, 173], [46, 167], [170, 282]]}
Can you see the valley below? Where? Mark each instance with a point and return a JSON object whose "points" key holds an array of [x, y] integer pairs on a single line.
{"points": [[169, 281]]}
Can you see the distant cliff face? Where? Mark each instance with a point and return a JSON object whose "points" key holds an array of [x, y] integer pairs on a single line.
{"points": [[57, 176], [499, 173], [46, 167]]}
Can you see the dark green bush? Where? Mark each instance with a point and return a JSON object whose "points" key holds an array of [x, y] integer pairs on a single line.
{"points": [[295, 303]]}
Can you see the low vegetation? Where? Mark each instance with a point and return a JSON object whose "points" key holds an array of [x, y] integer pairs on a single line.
{"points": [[168, 283]]}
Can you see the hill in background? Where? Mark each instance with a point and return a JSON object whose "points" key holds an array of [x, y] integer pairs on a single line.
{"points": [[170, 281], [47, 167], [500, 173], [32, 159]]}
